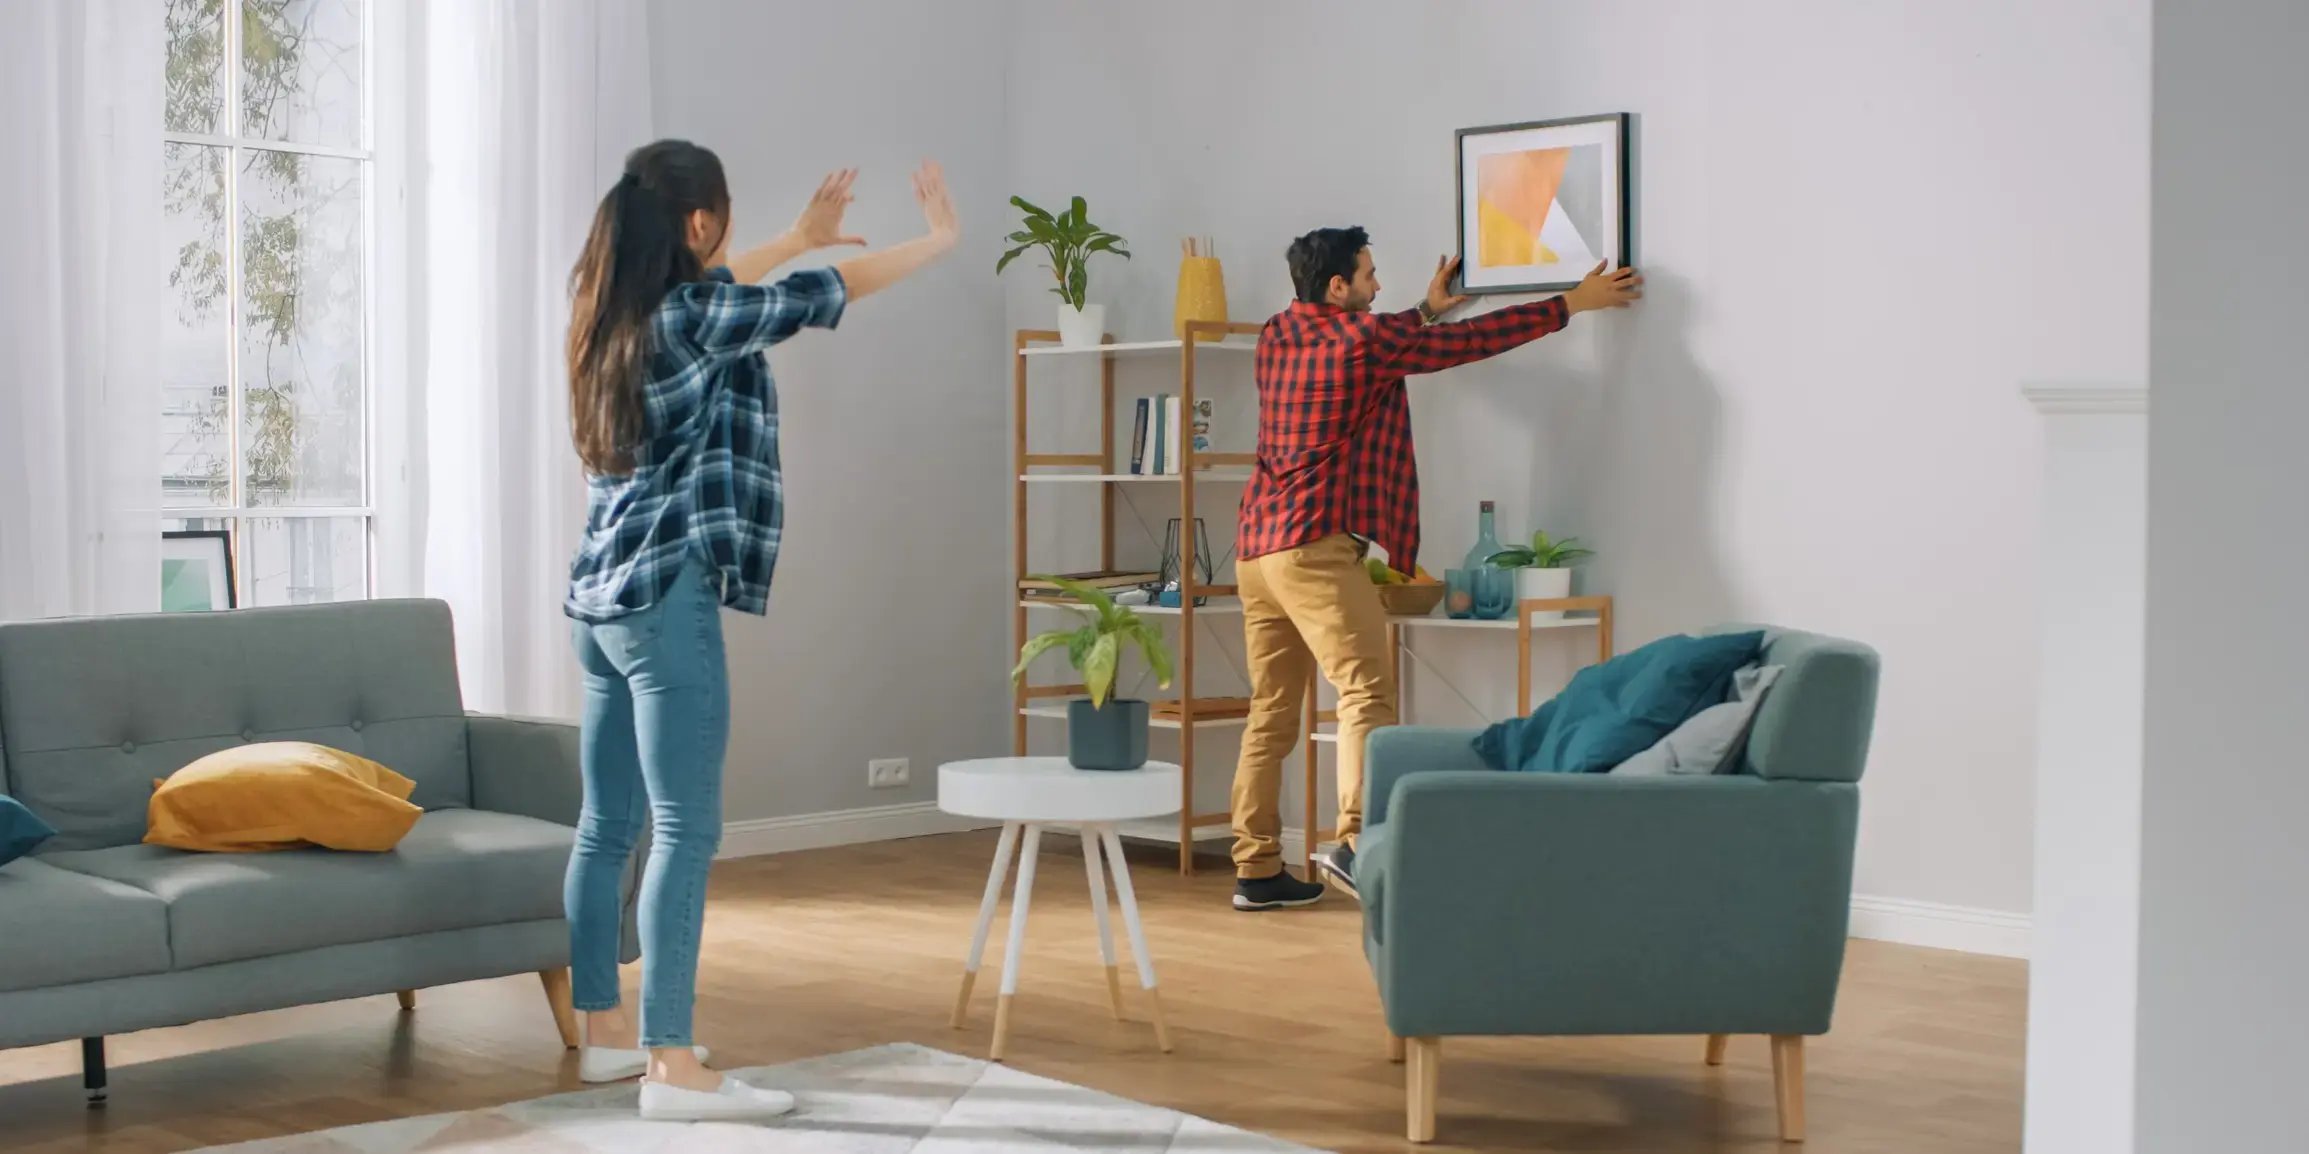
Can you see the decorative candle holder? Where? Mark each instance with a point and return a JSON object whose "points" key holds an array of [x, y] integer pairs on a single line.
{"points": [[1459, 593]]}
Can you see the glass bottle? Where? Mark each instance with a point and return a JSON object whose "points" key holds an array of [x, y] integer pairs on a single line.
{"points": [[1486, 541]]}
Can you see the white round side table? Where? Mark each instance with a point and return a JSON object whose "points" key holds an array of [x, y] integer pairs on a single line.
{"points": [[1025, 794]]}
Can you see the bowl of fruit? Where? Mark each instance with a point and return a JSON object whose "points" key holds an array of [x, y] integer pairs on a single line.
{"points": [[1404, 595]]}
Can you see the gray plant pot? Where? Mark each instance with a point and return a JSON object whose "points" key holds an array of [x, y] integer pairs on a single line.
{"points": [[1108, 737]]}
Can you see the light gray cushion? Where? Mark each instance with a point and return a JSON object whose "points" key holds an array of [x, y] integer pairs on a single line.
{"points": [[456, 869], [65, 927], [1821, 717], [1708, 741], [123, 1005], [93, 710]]}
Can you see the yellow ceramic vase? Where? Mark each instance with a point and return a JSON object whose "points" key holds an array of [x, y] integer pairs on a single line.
{"points": [[1202, 294]]}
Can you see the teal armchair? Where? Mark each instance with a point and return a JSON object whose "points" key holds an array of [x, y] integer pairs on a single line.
{"points": [[1581, 904]]}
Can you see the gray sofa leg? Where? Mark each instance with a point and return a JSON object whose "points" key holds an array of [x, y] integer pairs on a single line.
{"points": [[92, 1069]]}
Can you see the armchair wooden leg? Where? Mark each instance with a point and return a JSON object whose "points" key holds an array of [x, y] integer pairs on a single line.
{"points": [[1788, 1080], [1394, 1047], [1420, 1082], [408, 999], [556, 984], [1716, 1044]]}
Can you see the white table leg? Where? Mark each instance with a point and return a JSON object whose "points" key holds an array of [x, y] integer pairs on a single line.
{"points": [[994, 879], [1020, 903], [1129, 899], [1090, 865]]}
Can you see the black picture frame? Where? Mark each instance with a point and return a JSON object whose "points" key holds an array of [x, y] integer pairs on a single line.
{"points": [[224, 545], [1621, 174]]}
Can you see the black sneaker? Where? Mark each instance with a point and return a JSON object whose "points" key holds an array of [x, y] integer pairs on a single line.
{"points": [[1279, 892], [1337, 866]]}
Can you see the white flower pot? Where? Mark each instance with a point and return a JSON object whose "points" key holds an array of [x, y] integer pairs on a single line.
{"points": [[1083, 328], [1542, 585]]}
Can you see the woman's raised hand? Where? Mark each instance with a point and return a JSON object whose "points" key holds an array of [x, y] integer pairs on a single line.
{"points": [[937, 205], [820, 225]]}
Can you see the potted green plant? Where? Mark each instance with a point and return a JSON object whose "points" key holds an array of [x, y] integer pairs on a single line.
{"points": [[1067, 239], [1102, 731], [1542, 568]]}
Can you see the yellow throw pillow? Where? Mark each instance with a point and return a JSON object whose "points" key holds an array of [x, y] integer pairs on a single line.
{"points": [[281, 795]]}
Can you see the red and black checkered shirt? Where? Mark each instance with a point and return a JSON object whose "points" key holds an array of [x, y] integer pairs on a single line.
{"points": [[1334, 447]]}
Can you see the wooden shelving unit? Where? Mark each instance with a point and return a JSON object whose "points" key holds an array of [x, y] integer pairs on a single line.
{"points": [[1195, 471], [1593, 613]]}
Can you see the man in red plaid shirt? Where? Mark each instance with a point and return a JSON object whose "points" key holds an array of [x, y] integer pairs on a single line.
{"points": [[1335, 475]]}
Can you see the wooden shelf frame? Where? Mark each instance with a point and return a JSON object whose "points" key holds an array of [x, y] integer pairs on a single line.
{"points": [[1599, 610], [1032, 344]]}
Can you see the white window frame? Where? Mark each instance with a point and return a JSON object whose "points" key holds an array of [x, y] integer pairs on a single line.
{"points": [[237, 510]]}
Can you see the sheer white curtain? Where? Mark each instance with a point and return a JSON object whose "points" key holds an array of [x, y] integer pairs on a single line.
{"points": [[531, 106], [82, 274]]}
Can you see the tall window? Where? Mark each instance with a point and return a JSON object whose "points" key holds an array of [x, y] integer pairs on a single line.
{"points": [[267, 187]]}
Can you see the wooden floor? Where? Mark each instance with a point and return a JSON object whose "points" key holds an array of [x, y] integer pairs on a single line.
{"points": [[1275, 1018]]}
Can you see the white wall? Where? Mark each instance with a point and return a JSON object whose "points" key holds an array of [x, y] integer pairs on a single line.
{"points": [[2225, 793], [2084, 946], [1865, 226], [885, 636]]}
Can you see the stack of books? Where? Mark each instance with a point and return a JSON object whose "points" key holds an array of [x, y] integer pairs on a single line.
{"points": [[1155, 436], [1109, 581]]}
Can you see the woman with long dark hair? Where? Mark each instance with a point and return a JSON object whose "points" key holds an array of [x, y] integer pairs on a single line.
{"points": [[675, 417]]}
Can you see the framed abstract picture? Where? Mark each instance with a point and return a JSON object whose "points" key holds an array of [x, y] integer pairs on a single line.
{"points": [[1541, 203], [196, 570]]}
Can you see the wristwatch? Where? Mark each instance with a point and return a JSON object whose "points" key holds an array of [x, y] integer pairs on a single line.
{"points": [[1426, 315]]}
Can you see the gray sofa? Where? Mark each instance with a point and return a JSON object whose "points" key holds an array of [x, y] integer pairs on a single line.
{"points": [[106, 935]]}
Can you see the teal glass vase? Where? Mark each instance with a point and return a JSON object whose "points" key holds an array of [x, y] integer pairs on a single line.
{"points": [[1494, 593]]}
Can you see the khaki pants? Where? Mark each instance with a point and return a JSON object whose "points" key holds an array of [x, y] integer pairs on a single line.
{"points": [[1303, 609]]}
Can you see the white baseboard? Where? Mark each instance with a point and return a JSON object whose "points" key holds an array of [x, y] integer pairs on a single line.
{"points": [[2001, 933], [841, 827]]}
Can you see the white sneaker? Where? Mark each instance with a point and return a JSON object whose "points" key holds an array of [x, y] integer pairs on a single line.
{"points": [[733, 1102], [605, 1064]]}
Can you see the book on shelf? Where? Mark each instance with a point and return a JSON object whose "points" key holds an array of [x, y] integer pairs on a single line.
{"points": [[1105, 580], [1157, 435], [1160, 432], [1171, 431], [1158, 429], [1138, 431]]}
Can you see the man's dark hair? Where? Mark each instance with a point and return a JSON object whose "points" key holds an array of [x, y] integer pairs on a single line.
{"points": [[1323, 254]]}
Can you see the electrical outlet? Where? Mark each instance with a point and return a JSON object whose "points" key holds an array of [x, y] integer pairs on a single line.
{"points": [[888, 773]]}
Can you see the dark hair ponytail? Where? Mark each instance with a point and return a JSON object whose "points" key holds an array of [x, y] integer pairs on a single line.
{"points": [[636, 252]]}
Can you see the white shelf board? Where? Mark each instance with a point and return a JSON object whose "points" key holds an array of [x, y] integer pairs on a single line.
{"points": [[1439, 621], [1162, 829], [1057, 709], [1202, 477], [1221, 605], [1231, 346], [1326, 738]]}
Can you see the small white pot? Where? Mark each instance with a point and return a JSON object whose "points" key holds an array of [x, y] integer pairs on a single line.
{"points": [[1083, 328], [1542, 585]]}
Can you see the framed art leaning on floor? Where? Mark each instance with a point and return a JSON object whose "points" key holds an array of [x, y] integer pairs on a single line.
{"points": [[1541, 203], [196, 571]]}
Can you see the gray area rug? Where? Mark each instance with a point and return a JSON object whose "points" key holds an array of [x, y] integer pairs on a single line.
{"points": [[883, 1100]]}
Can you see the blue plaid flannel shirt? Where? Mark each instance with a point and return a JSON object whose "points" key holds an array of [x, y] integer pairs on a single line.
{"points": [[705, 478]]}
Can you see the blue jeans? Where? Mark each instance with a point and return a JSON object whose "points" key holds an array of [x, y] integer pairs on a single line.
{"points": [[656, 724]]}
